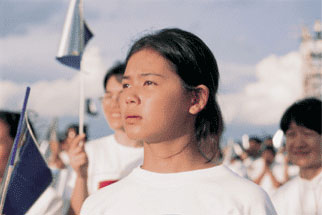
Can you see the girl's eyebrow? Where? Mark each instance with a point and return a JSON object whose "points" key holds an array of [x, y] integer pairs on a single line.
{"points": [[125, 77], [153, 74]]}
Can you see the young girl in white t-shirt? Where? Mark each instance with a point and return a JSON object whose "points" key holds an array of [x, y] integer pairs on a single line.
{"points": [[169, 102]]}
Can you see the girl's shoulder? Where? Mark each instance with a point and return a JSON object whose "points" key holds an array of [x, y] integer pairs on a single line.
{"points": [[235, 183], [101, 200]]}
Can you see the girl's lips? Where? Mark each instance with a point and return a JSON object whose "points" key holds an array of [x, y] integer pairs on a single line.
{"points": [[132, 118]]}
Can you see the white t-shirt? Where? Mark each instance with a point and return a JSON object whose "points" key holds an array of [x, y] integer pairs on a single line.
{"points": [[254, 167], [49, 203], [299, 197], [64, 182], [266, 183], [238, 167], [292, 170], [109, 161], [215, 190]]}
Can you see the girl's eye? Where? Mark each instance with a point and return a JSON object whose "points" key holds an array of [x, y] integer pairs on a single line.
{"points": [[125, 86], [148, 83], [308, 133], [290, 134]]}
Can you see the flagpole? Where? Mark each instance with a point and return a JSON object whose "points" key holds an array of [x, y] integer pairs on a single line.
{"points": [[75, 36], [81, 102], [5, 188], [81, 96]]}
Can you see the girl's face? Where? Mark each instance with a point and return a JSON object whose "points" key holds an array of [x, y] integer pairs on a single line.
{"points": [[303, 146], [110, 103], [154, 105]]}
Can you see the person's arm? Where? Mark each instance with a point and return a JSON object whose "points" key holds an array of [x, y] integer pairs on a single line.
{"points": [[275, 182], [54, 159], [286, 175], [80, 193], [79, 162], [259, 179]]}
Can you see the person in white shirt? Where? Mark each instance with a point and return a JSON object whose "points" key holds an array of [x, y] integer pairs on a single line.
{"points": [[106, 160], [301, 124], [237, 166], [169, 102], [289, 170], [252, 157], [59, 163], [270, 176]]}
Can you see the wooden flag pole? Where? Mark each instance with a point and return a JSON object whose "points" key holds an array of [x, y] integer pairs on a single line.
{"points": [[5, 187], [81, 102], [82, 74]]}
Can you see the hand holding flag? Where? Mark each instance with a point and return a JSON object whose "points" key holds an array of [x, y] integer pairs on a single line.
{"points": [[75, 36], [78, 157]]}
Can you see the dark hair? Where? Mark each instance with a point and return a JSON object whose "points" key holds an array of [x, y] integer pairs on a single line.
{"points": [[195, 64], [267, 137], [306, 113], [255, 139], [270, 148], [117, 70], [76, 128], [12, 121]]}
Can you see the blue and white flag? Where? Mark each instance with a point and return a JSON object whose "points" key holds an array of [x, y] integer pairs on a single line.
{"points": [[75, 36], [27, 175]]}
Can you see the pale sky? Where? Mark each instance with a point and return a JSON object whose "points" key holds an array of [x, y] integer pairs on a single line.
{"points": [[255, 43]]}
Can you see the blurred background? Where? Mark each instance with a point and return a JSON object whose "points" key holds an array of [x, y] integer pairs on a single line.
{"points": [[268, 53]]}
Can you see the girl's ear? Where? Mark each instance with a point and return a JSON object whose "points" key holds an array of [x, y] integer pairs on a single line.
{"points": [[199, 99]]}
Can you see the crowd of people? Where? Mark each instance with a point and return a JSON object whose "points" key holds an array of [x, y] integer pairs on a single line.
{"points": [[164, 156]]}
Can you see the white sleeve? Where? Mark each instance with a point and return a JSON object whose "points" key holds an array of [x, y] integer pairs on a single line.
{"points": [[256, 201], [279, 203], [263, 206]]}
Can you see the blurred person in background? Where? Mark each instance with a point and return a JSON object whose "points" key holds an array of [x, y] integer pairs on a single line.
{"points": [[49, 203], [106, 160], [251, 157], [271, 176], [268, 141], [59, 163], [254, 149], [285, 169], [301, 124], [234, 156], [8, 129], [59, 148], [288, 169], [236, 164]]}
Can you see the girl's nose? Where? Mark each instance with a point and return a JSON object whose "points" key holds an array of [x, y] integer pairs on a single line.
{"points": [[299, 140], [131, 97]]}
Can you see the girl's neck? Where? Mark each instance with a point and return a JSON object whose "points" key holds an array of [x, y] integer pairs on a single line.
{"points": [[123, 139], [178, 155], [310, 173]]}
